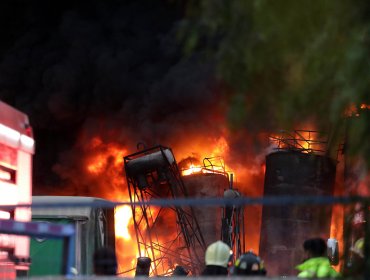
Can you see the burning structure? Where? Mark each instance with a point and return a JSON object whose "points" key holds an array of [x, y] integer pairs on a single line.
{"points": [[169, 236], [102, 73], [212, 180], [173, 236], [298, 166]]}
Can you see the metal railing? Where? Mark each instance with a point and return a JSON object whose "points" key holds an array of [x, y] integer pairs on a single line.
{"points": [[320, 201], [307, 141]]}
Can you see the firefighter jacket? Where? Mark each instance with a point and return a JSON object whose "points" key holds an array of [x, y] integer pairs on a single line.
{"points": [[316, 268]]}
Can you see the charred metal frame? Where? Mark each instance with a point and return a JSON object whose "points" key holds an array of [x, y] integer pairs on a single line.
{"points": [[162, 181], [233, 229], [215, 165], [300, 140]]}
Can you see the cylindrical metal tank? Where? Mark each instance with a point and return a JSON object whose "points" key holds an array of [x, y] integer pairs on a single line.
{"points": [[207, 185], [284, 228], [145, 163]]}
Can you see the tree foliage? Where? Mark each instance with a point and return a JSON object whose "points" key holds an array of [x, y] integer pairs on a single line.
{"points": [[288, 61]]}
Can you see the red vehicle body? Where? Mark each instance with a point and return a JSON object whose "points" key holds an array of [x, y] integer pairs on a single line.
{"points": [[16, 150]]}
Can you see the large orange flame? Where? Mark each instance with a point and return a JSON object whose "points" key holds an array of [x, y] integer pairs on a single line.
{"points": [[123, 217], [192, 169], [106, 160], [213, 160], [105, 157]]}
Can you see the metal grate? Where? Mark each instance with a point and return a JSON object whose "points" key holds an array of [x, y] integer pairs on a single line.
{"points": [[306, 141]]}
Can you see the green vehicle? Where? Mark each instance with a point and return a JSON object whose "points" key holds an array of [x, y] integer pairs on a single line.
{"points": [[94, 229]]}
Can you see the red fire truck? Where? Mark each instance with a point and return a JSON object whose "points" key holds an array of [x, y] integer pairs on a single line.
{"points": [[16, 149]]}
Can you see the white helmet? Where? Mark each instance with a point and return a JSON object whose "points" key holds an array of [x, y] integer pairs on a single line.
{"points": [[218, 253]]}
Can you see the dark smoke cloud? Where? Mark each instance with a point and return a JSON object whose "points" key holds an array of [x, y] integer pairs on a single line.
{"points": [[108, 68]]}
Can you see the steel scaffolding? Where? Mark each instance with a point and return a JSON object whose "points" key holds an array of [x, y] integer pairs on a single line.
{"points": [[153, 173]]}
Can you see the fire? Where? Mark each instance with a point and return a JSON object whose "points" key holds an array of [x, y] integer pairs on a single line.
{"points": [[110, 154], [336, 229], [305, 141], [161, 266], [192, 169], [305, 138], [105, 157], [212, 156], [105, 160], [96, 167], [353, 110], [221, 147], [123, 217], [208, 167]]}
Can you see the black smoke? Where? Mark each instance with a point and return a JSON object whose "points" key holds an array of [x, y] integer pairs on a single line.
{"points": [[110, 68]]}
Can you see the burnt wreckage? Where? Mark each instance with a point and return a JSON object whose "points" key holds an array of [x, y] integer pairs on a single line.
{"points": [[172, 236], [167, 235]]}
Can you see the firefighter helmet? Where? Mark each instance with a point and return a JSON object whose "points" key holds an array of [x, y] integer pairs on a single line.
{"points": [[218, 253], [249, 264]]}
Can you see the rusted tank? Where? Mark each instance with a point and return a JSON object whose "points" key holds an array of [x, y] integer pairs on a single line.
{"points": [[207, 185], [284, 228], [155, 160]]}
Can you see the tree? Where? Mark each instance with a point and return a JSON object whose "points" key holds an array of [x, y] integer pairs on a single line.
{"points": [[286, 62]]}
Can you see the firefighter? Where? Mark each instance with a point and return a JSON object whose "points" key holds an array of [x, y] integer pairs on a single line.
{"points": [[249, 264], [317, 264], [356, 267], [358, 247], [217, 259]]}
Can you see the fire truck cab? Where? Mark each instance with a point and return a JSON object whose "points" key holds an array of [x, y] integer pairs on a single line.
{"points": [[17, 147]]}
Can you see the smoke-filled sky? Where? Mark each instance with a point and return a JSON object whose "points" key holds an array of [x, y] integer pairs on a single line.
{"points": [[108, 69], [97, 77]]}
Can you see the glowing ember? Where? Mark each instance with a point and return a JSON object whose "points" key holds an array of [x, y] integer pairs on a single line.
{"points": [[354, 110]]}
